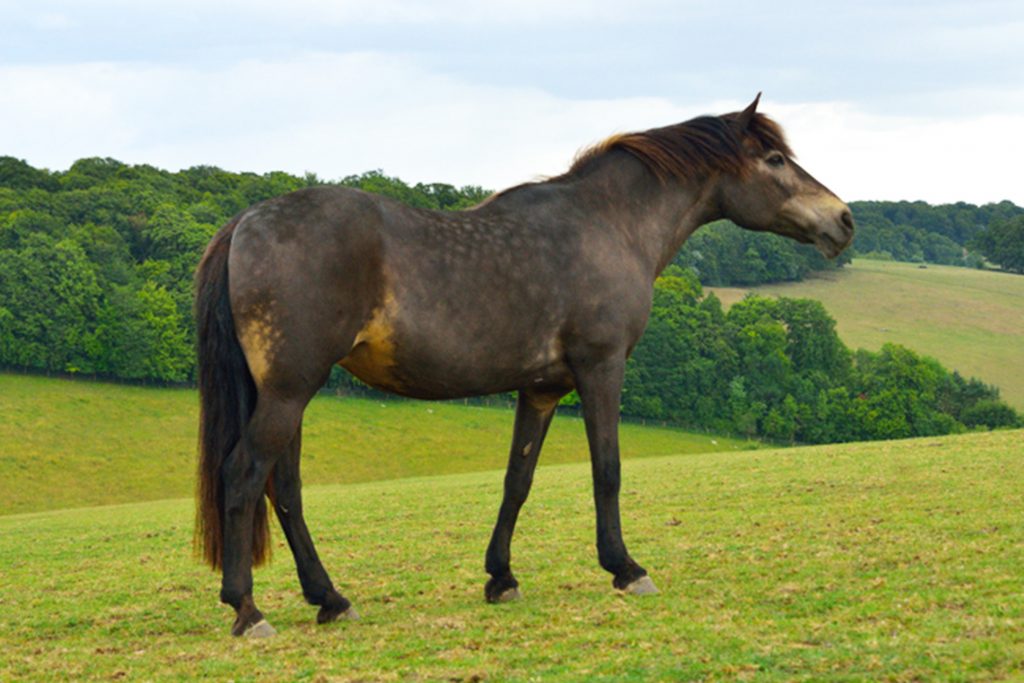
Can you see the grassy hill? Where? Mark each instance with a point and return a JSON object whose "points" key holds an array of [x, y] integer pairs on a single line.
{"points": [[70, 443], [894, 561], [970, 320]]}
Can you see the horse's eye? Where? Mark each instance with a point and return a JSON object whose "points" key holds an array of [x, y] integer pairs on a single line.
{"points": [[776, 160]]}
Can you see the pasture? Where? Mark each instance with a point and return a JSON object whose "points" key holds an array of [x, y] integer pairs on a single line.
{"points": [[970, 320], [894, 561], [73, 443]]}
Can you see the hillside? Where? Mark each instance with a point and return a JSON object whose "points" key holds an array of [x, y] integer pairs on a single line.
{"points": [[882, 561], [970, 320], [70, 443]]}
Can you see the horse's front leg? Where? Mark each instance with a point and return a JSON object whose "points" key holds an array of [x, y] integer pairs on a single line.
{"points": [[316, 584], [600, 389], [533, 417]]}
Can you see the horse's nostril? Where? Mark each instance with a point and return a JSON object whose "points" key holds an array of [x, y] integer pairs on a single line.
{"points": [[847, 219]]}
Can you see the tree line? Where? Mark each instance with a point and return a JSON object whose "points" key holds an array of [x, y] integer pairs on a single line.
{"points": [[958, 234], [96, 268]]}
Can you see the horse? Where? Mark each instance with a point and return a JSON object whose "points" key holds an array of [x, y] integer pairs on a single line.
{"points": [[540, 289]]}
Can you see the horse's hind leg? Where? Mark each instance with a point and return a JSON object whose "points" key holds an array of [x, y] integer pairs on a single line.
{"points": [[316, 584], [533, 417], [266, 438]]}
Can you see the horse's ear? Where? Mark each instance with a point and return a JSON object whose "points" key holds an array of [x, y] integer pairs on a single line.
{"points": [[747, 115]]}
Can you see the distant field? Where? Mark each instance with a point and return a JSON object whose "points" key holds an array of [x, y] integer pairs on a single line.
{"points": [[888, 561], [970, 320], [70, 443]]}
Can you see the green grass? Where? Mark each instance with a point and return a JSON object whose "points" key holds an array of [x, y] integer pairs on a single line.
{"points": [[889, 561], [970, 320], [70, 443]]}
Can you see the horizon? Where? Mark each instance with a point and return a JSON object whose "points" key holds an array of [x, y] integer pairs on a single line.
{"points": [[336, 181]]}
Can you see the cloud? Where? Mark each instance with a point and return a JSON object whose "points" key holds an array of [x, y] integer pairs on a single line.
{"points": [[860, 155], [339, 114], [330, 114]]}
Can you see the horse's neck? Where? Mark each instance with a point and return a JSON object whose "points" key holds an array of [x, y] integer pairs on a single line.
{"points": [[657, 217]]}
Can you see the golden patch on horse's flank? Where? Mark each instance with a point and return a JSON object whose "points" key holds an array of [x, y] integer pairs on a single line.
{"points": [[372, 357], [259, 339]]}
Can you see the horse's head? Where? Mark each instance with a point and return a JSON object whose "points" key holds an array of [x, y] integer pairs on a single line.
{"points": [[773, 193]]}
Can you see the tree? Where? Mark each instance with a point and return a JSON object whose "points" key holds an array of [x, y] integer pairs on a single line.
{"points": [[992, 414], [901, 392], [19, 175], [811, 339], [142, 336], [86, 173], [781, 423], [1003, 243], [673, 366], [174, 243], [52, 298], [20, 224]]}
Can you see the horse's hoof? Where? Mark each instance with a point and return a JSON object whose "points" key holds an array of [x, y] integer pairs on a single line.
{"points": [[502, 589], [326, 616], [261, 629], [642, 586]]}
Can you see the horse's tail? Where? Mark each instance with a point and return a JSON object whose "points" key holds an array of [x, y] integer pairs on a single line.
{"points": [[227, 397]]}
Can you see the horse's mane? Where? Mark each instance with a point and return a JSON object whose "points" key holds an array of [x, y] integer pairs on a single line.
{"points": [[700, 146]]}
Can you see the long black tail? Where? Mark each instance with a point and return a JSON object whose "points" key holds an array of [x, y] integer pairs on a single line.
{"points": [[227, 397]]}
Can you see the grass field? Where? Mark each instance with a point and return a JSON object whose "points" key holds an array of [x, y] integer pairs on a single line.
{"points": [[889, 561], [74, 443], [970, 320]]}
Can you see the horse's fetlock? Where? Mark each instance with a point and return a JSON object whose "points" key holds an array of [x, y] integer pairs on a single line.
{"points": [[232, 597]]}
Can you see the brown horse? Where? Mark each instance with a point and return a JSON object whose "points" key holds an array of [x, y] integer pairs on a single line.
{"points": [[542, 288]]}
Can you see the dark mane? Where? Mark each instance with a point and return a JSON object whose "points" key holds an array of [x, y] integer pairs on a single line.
{"points": [[701, 146]]}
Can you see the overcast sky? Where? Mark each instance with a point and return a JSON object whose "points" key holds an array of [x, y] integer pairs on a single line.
{"points": [[882, 99]]}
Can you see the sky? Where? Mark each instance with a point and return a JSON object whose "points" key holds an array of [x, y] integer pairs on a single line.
{"points": [[881, 99]]}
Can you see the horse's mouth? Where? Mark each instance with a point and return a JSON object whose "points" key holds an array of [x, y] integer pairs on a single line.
{"points": [[830, 242], [822, 220], [829, 245]]}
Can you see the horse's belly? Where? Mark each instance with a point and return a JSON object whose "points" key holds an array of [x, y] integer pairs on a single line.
{"points": [[415, 351], [436, 373]]}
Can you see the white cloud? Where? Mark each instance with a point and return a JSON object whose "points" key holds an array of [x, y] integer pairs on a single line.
{"points": [[329, 114], [340, 114], [973, 158]]}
